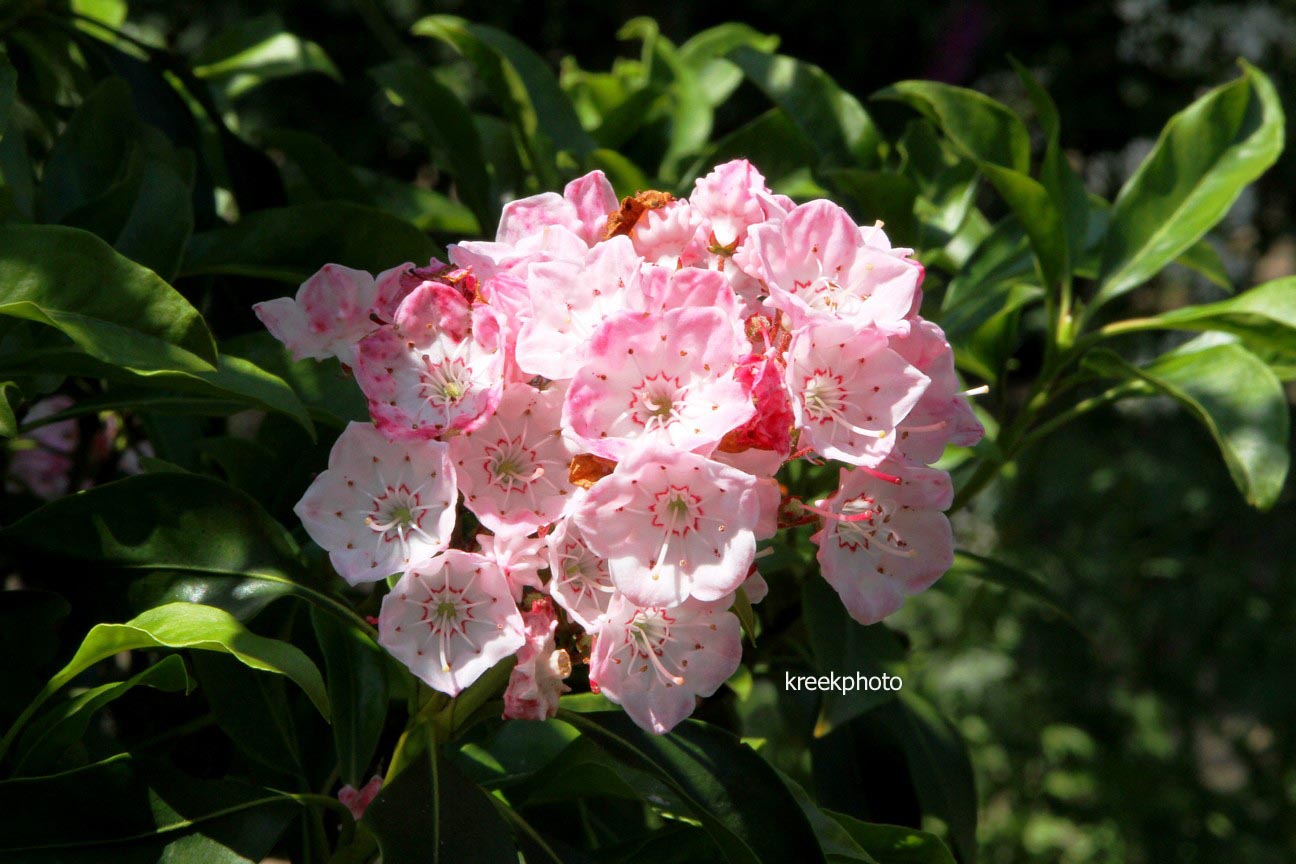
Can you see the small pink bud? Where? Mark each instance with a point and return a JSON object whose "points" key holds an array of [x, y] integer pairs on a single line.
{"points": [[357, 800]]}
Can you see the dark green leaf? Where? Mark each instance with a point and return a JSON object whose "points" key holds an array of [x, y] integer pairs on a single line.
{"points": [[875, 195], [893, 844], [247, 53], [252, 709], [29, 637], [1234, 395], [1206, 155], [112, 308], [291, 243], [736, 795], [834, 121], [1007, 576], [432, 814], [8, 422], [355, 670]]}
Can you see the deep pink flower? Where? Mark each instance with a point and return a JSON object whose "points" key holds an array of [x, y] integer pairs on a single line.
{"points": [[656, 662], [358, 800], [889, 541], [512, 469], [666, 378], [536, 681], [850, 391], [450, 619], [672, 525], [381, 505]]}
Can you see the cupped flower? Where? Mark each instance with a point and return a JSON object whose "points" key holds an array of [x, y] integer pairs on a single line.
{"points": [[943, 415], [519, 557], [428, 372], [451, 618], [381, 505], [583, 209], [328, 316], [536, 681], [513, 468], [818, 265], [667, 378], [885, 537], [731, 199], [670, 235], [579, 580], [849, 391], [672, 525], [570, 300], [656, 662]]}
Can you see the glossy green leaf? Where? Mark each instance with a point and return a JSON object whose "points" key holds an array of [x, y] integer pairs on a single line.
{"points": [[355, 670], [1202, 259], [736, 795], [1235, 395], [94, 153], [242, 596], [1206, 155], [977, 125], [771, 141], [114, 309], [893, 844], [433, 814], [1263, 317], [448, 129], [252, 51], [875, 195], [52, 733], [844, 646], [830, 118], [291, 243]]}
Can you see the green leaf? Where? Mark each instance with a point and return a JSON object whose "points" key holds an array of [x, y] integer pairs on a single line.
{"points": [[249, 52], [8, 422], [877, 195], [52, 733], [357, 683], [1202, 259], [1012, 578], [432, 814], [521, 84], [253, 710], [448, 129], [938, 762], [1235, 395], [736, 795], [977, 125], [243, 597], [1263, 317], [771, 141], [893, 844], [837, 844], [129, 810], [840, 129], [291, 243], [844, 646], [1206, 155], [184, 625], [114, 309], [94, 153]]}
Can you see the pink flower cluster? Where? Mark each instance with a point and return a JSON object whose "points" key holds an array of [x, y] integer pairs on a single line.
{"points": [[610, 389]]}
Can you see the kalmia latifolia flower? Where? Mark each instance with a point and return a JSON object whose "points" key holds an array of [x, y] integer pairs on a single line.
{"points": [[611, 391]]}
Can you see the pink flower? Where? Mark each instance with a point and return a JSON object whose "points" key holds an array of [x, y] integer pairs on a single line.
{"points": [[583, 209], [42, 464], [732, 198], [519, 557], [492, 259], [570, 300], [578, 579], [943, 414], [656, 662], [536, 681], [427, 373], [358, 800], [672, 525], [762, 444], [329, 315], [665, 289], [381, 505], [450, 619], [889, 541], [850, 391], [819, 265], [666, 378], [670, 236], [512, 469]]}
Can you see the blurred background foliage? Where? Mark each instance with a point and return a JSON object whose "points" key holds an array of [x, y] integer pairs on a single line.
{"points": [[1139, 707]]}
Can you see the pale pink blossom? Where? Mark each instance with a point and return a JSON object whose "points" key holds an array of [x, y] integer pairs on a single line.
{"points": [[731, 199], [513, 468], [329, 315], [40, 462], [450, 619], [536, 681], [819, 266], [850, 391], [381, 505], [670, 236], [943, 415], [672, 525], [656, 662], [583, 209], [427, 372], [579, 580], [668, 378], [885, 540], [519, 557]]}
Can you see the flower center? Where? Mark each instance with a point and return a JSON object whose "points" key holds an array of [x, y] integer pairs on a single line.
{"points": [[870, 527], [444, 383], [655, 403], [511, 465], [825, 398], [649, 633]]}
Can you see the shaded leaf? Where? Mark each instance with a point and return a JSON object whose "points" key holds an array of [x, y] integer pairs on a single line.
{"points": [[355, 670]]}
